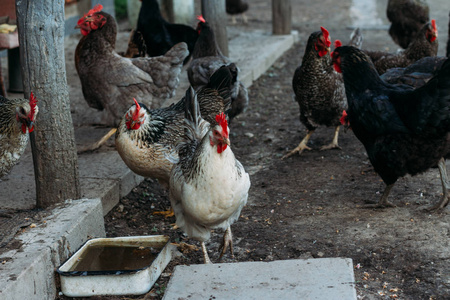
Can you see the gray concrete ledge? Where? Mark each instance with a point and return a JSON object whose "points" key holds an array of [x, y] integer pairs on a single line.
{"points": [[29, 273]]}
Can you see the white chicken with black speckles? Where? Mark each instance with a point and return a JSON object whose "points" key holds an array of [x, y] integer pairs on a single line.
{"points": [[208, 185]]}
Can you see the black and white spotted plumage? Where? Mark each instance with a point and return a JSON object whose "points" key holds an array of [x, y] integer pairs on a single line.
{"points": [[208, 189], [145, 150]]}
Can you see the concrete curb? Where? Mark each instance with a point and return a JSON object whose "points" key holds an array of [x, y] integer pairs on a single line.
{"points": [[29, 273]]}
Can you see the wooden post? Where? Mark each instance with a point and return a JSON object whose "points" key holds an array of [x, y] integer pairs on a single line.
{"points": [[41, 40], [214, 14], [281, 16]]}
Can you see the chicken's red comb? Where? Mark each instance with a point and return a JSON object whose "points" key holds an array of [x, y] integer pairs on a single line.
{"points": [[337, 43], [433, 25], [201, 19], [326, 35], [222, 121], [96, 9], [138, 108], [33, 103]]}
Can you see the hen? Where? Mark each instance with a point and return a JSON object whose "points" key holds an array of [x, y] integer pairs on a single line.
{"points": [[407, 17], [146, 136], [236, 7], [208, 185], [319, 90], [108, 80], [425, 44], [160, 35], [404, 130], [206, 59], [17, 118], [416, 74]]}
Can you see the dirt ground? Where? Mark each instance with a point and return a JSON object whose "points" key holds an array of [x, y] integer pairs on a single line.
{"points": [[312, 206]]}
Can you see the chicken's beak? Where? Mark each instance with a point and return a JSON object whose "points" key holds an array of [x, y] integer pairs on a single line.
{"points": [[227, 141]]}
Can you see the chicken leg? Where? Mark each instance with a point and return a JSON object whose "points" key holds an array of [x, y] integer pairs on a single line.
{"points": [[383, 200], [227, 242], [302, 146], [205, 254], [334, 143], [445, 187]]}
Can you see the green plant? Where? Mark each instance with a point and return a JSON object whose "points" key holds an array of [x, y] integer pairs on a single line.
{"points": [[121, 9]]}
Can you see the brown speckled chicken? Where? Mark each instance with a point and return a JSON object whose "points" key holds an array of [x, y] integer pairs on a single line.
{"points": [[146, 137], [319, 89], [208, 185], [407, 17], [109, 81], [17, 117], [425, 44], [206, 59]]}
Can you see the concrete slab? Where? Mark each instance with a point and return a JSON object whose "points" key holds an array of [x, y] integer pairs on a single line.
{"points": [[29, 272], [323, 278]]}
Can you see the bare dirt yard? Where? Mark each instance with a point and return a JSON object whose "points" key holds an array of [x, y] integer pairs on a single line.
{"points": [[312, 206]]}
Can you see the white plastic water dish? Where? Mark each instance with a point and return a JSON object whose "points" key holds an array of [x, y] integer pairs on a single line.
{"points": [[115, 266]]}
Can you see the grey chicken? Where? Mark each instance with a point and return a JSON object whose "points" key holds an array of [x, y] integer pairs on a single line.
{"points": [[17, 117], [208, 185], [206, 59], [109, 80]]}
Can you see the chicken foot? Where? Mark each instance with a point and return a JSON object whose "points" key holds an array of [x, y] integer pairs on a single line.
{"points": [[99, 143], [205, 254], [302, 146], [383, 200], [166, 213], [334, 144], [227, 242], [445, 187]]}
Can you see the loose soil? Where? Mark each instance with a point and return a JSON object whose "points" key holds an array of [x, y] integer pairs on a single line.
{"points": [[311, 206]]}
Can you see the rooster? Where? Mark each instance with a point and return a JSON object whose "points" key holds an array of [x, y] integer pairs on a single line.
{"points": [[208, 185], [146, 136], [236, 7], [424, 44], [319, 90], [407, 17], [109, 80], [206, 59], [17, 117], [160, 35], [404, 130]]}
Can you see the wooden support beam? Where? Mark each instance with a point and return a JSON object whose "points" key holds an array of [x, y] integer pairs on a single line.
{"points": [[214, 13], [41, 39], [281, 17]]}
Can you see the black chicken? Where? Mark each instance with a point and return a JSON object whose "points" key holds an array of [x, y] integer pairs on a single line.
{"points": [[160, 35], [406, 17], [404, 130], [236, 7]]}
